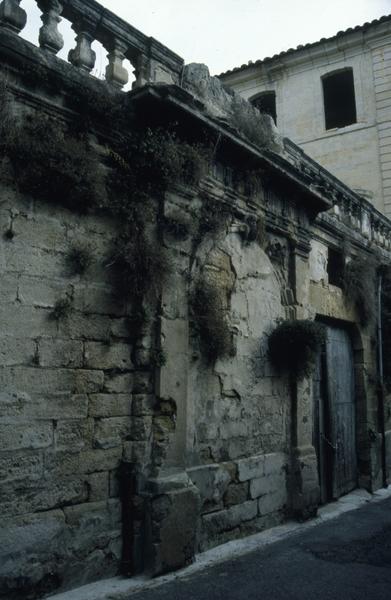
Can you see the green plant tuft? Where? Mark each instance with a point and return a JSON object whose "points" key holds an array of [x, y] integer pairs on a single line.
{"points": [[6, 121], [386, 325], [62, 309], [36, 360], [294, 346], [359, 286], [261, 232], [210, 321], [149, 162], [159, 358], [139, 265], [213, 218], [78, 259], [53, 166], [9, 234]]}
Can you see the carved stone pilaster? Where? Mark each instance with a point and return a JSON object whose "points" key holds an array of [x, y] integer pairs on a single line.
{"points": [[49, 36], [82, 56], [12, 16], [116, 74], [305, 491]]}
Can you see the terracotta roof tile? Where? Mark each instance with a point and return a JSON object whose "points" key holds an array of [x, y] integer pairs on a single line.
{"points": [[309, 45]]}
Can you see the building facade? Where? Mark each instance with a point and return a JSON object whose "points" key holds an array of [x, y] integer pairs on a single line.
{"points": [[333, 98], [142, 418]]}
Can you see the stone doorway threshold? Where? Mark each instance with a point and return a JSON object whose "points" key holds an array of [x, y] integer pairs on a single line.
{"points": [[119, 588]]}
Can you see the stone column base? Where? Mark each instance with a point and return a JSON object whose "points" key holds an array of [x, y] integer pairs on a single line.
{"points": [[172, 513]]}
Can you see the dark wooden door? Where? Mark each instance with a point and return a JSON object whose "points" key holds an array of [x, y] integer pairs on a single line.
{"points": [[335, 416]]}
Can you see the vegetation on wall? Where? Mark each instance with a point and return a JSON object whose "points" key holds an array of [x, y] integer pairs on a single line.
{"points": [[150, 161], [78, 259], [55, 161], [53, 166], [3, 96], [359, 285], [139, 264], [62, 309], [209, 319], [386, 325], [213, 217], [294, 346], [9, 234], [5, 112]]}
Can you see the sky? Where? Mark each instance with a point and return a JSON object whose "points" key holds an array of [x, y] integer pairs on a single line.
{"points": [[227, 33]]}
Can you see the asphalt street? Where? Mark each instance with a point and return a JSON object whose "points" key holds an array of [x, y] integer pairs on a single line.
{"points": [[347, 558]]}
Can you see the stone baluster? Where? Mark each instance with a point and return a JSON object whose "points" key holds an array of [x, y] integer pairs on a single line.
{"points": [[345, 208], [380, 234], [116, 74], [352, 212], [49, 37], [366, 224], [356, 212], [375, 230], [12, 17], [337, 202], [83, 56], [142, 70], [383, 235], [360, 218], [372, 223]]}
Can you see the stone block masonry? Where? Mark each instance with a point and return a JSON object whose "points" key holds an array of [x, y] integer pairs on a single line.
{"points": [[245, 495], [141, 417], [65, 405]]}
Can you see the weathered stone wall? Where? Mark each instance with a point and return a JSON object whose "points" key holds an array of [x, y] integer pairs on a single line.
{"points": [[242, 408], [209, 450], [66, 400], [229, 443]]}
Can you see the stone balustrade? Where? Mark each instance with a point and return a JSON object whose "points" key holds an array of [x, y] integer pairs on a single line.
{"points": [[151, 60], [348, 206]]}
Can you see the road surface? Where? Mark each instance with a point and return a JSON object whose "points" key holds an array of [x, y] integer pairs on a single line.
{"points": [[347, 558]]}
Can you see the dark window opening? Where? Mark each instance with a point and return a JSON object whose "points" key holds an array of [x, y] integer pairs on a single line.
{"points": [[339, 99], [335, 267], [266, 103]]}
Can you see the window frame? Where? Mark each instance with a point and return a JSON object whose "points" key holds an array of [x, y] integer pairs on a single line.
{"points": [[330, 75], [264, 93]]}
